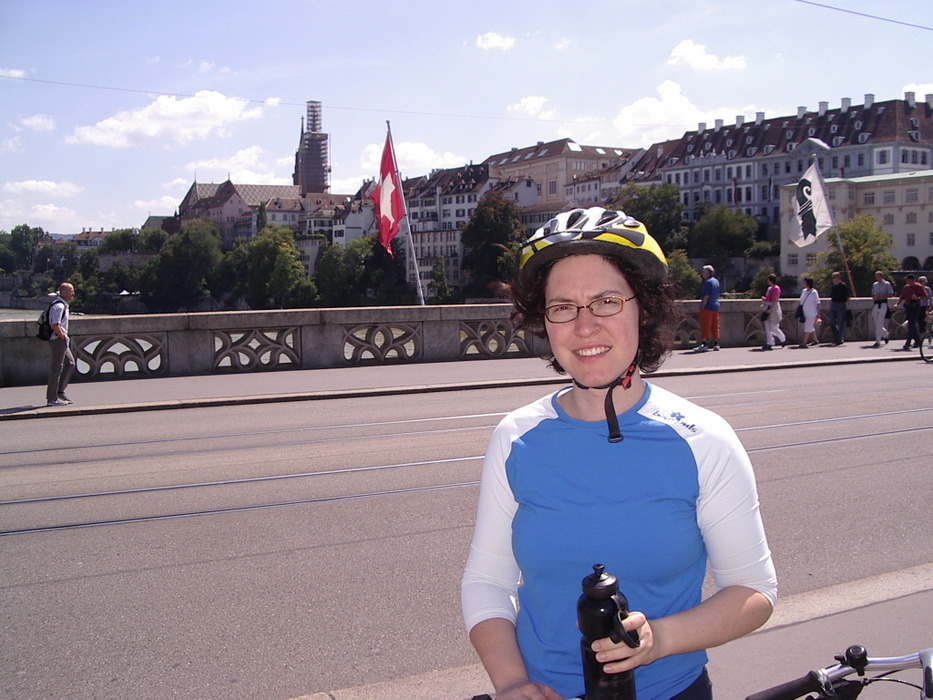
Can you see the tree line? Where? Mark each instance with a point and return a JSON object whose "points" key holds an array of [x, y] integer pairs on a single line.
{"points": [[183, 270]]}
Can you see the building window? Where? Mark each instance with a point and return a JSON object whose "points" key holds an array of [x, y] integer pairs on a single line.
{"points": [[889, 219], [869, 198], [888, 197], [883, 157], [792, 260], [811, 259], [860, 159], [911, 217], [911, 240], [552, 187], [912, 196]]}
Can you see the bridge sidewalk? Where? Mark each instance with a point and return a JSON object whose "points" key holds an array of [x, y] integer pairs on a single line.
{"points": [[113, 396]]}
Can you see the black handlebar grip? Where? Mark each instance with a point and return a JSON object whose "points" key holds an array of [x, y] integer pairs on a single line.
{"points": [[790, 690]]}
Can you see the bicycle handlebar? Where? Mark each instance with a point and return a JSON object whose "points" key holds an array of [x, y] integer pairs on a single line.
{"points": [[790, 690], [855, 660]]}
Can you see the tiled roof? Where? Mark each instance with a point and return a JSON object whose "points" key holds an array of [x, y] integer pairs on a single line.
{"points": [[254, 195], [847, 125]]}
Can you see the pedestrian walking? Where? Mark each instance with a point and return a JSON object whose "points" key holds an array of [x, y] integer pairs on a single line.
{"points": [[810, 303], [926, 304], [911, 294], [881, 291], [771, 314], [63, 361], [709, 310], [838, 306]]}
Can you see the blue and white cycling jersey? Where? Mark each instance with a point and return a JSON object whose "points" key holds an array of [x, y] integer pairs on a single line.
{"points": [[557, 497]]}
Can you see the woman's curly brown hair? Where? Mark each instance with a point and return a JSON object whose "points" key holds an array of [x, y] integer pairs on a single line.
{"points": [[658, 314]]}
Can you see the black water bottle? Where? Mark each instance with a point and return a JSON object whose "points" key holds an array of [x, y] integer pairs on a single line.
{"points": [[600, 611]]}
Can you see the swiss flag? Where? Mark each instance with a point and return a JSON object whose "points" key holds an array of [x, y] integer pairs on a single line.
{"points": [[388, 198]]}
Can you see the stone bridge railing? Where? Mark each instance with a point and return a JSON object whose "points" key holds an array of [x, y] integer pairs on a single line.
{"points": [[158, 345]]}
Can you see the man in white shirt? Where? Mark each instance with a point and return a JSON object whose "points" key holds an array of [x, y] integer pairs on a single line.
{"points": [[63, 362], [881, 290]]}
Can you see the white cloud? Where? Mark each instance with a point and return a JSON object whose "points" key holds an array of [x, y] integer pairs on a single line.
{"points": [[272, 101], [653, 119], [563, 44], [920, 90], [163, 206], [12, 73], [50, 217], [689, 53], [205, 67], [413, 158], [39, 122], [348, 185], [246, 166], [180, 119], [491, 40], [532, 105], [152, 60], [13, 144], [42, 188], [177, 182]]}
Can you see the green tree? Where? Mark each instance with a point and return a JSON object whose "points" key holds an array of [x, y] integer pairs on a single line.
{"points": [[683, 276], [491, 239], [438, 289], [230, 282], [274, 268], [23, 243], [867, 248], [7, 257], [659, 208], [151, 240], [120, 241], [721, 233], [261, 217], [180, 274], [336, 278]]}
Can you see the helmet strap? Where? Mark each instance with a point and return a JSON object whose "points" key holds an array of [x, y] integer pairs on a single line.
{"points": [[625, 381]]}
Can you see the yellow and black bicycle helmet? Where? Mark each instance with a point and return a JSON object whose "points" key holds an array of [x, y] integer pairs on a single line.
{"points": [[594, 230]]}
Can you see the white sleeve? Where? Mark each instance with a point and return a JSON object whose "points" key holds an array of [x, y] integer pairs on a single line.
{"points": [[491, 577], [729, 517]]}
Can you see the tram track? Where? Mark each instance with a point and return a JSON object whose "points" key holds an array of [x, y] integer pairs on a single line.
{"points": [[12, 508]]}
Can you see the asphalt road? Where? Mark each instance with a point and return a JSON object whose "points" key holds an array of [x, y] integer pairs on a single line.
{"points": [[271, 551]]}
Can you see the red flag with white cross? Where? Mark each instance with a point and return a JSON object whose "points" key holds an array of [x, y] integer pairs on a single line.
{"points": [[388, 198]]}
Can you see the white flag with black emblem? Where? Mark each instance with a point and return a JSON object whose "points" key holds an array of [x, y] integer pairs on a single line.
{"points": [[814, 216]]}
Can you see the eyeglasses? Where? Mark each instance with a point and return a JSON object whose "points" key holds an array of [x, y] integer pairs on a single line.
{"points": [[602, 307]]}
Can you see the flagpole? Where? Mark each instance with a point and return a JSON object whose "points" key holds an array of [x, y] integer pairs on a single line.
{"points": [[411, 241], [837, 236]]}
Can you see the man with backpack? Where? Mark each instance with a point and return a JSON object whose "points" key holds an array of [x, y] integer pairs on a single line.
{"points": [[63, 362]]}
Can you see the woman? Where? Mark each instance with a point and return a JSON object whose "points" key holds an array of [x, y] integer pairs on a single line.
{"points": [[771, 314], [614, 470], [925, 304], [810, 303]]}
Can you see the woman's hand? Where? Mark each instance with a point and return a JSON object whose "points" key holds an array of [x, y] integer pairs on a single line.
{"points": [[527, 690], [617, 658]]}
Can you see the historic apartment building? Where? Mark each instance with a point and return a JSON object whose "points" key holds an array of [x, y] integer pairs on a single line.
{"points": [[565, 173], [902, 203], [441, 204], [745, 164]]}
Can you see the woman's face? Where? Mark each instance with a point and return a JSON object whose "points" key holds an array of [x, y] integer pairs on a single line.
{"points": [[593, 350]]}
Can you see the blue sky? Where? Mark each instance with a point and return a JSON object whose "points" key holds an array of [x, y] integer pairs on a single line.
{"points": [[108, 110]]}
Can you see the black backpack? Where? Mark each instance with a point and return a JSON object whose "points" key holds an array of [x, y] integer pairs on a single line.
{"points": [[43, 327]]}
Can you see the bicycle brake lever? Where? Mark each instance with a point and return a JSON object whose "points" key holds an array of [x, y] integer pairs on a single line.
{"points": [[926, 660]]}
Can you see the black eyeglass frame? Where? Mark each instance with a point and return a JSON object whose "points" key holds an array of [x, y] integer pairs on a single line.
{"points": [[587, 306]]}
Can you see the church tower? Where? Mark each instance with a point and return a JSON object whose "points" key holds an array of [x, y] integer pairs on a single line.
{"points": [[312, 159]]}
